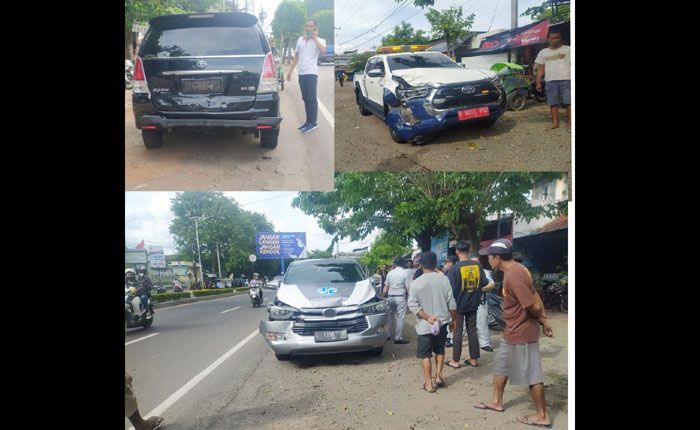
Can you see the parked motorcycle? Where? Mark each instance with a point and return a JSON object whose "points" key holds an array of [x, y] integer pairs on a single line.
{"points": [[495, 316], [134, 317], [128, 74], [555, 292]]}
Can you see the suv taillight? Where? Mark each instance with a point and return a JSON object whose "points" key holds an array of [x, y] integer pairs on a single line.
{"points": [[139, 78], [268, 77]]}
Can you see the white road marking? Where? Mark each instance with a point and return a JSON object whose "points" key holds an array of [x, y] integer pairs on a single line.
{"points": [[197, 379], [194, 303], [140, 339], [229, 310], [326, 114]]}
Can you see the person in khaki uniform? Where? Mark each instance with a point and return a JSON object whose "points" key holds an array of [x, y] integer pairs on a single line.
{"points": [[131, 408]]}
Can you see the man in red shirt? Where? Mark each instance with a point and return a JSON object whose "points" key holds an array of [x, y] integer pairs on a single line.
{"points": [[518, 356]]}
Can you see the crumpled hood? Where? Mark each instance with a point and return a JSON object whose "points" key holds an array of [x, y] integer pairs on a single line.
{"points": [[437, 76], [326, 295]]}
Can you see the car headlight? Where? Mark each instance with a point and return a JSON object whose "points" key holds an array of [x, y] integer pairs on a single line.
{"points": [[412, 93], [374, 307], [282, 313]]}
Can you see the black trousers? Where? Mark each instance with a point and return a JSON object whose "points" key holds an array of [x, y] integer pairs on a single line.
{"points": [[472, 336]]}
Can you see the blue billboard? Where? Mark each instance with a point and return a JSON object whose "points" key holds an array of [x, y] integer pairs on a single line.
{"points": [[280, 245], [439, 244]]}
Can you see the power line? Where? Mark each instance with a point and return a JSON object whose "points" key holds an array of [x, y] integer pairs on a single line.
{"points": [[494, 15], [391, 12]]}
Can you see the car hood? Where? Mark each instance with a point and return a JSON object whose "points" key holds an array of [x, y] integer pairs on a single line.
{"points": [[438, 76], [326, 295]]}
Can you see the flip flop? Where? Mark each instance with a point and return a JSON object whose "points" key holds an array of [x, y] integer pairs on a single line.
{"points": [[526, 420], [469, 364], [452, 365], [485, 406], [440, 384], [430, 391]]}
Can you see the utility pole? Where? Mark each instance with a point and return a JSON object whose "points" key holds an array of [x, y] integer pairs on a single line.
{"points": [[218, 259], [199, 255], [513, 24]]}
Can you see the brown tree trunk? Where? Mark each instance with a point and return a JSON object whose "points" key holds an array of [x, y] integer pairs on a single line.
{"points": [[423, 240], [128, 43]]}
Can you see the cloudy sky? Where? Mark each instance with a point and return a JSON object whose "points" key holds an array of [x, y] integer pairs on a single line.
{"points": [[147, 217], [355, 17]]}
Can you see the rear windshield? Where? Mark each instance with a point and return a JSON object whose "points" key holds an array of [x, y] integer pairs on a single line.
{"points": [[323, 272], [204, 41], [420, 60]]}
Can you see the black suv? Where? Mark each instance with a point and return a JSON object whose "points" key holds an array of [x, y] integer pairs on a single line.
{"points": [[206, 70]]}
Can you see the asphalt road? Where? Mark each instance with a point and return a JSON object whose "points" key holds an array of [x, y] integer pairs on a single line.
{"points": [[226, 160], [184, 341]]}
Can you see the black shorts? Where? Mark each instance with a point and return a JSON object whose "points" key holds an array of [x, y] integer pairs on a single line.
{"points": [[427, 343]]}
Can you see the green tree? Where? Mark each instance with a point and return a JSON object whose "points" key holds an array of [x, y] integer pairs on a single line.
{"points": [[420, 3], [555, 13], [383, 250], [144, 10], [313, 6], [225, 225], [359, 60], [419, 205], [404, 34], [450, 25], [288, 23], [324, 22]]}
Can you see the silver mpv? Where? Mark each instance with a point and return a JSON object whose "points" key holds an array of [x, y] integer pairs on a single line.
{"points": [[325, 306]]}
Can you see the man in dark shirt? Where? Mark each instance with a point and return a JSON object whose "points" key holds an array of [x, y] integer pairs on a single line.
{"points": [[467, 279]]}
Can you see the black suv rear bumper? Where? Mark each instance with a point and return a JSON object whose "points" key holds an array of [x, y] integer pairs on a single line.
{"points": [[264, 113], [161, 122]]}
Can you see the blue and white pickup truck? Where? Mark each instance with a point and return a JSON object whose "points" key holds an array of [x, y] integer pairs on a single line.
{"points": [[417, 94]]}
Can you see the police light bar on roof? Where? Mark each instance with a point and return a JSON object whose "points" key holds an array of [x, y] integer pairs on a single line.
{"points": [[401, 48]]}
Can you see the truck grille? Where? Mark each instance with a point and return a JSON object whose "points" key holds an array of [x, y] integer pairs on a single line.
{"points": [[307, 328], [451, 96]]}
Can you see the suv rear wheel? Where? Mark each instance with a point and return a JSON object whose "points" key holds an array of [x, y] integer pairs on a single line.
{"points": [[152, 138], [268, 139], [361, 104]]}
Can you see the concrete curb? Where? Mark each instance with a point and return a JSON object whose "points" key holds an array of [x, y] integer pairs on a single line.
{"points": [[170, 303]]}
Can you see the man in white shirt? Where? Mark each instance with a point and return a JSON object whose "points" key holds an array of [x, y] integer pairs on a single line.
{"points": [[396, 291], [554, 63], [308, 48]]}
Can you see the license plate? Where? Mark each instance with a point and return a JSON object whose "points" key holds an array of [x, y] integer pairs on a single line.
{"points": [[330, 335], [473, 113], [203, 86]]}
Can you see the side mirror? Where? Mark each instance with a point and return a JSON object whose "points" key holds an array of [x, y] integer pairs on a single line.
{"points": [[375, 73]]}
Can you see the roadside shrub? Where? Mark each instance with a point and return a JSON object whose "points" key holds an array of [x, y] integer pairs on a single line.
{"points": [[239, 289], [211, 292], [164, 297]]}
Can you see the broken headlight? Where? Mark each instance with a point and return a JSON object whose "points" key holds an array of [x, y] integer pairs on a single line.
{"points": [[374, 307], [412, 93], [281, 311]]}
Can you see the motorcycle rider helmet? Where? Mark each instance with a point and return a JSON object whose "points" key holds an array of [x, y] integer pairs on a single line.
{"points": [[129, 274], [256, 275]]}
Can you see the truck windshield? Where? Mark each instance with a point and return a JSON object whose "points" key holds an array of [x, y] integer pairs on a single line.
{"points": [[401, 62]]}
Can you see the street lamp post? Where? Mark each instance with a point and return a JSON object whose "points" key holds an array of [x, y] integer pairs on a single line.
{"points": [[199, 254]]}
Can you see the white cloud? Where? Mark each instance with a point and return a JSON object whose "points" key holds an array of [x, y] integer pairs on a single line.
{"points": [[355, 17], [148, 217]]}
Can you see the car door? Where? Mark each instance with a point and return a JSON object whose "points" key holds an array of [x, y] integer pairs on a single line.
{"points": [[375, 91]]}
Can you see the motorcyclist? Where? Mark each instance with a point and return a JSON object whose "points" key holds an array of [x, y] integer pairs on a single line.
{"points": [[131, 285], [257, 283], [144, 288]]}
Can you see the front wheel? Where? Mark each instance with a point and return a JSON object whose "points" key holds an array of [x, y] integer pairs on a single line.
{"points": [[148, 322], [517, 101], [268, 139]]}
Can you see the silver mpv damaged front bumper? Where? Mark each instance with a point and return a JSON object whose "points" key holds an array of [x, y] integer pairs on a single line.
{"points": [[282, 339]]}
